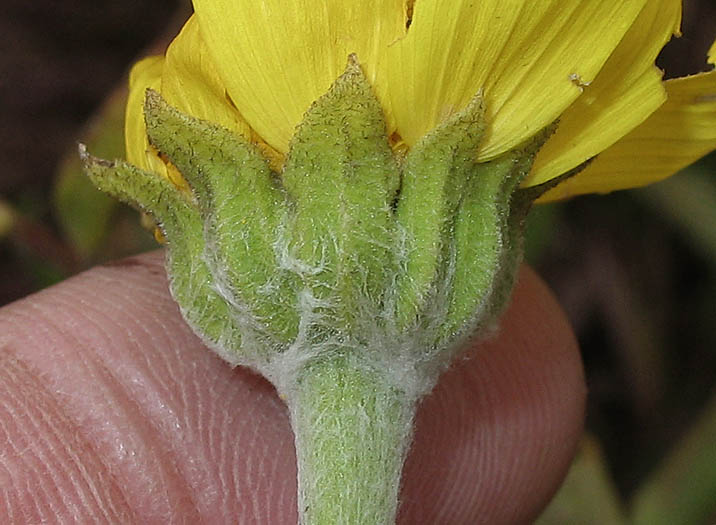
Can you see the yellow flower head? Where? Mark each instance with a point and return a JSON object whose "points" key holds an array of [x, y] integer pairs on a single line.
{"points": [[256, 66], [356, 277]]}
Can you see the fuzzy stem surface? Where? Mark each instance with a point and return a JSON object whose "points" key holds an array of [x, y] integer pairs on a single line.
{"points": [[352, 428]]}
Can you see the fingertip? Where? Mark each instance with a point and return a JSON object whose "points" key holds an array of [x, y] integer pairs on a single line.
{"points": [[167, 431], [492, 441]]}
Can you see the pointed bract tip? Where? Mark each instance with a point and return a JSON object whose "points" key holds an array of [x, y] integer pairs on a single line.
{"points": [[353, 67], [82, 150], [152, 97], [477, 103], [89, 161], [154, 107]]}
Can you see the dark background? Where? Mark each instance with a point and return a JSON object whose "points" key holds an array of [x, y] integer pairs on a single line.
{"points": [[636, 270]]}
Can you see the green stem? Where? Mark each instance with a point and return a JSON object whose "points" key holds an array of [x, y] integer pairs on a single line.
{"points": [[353, 428]]}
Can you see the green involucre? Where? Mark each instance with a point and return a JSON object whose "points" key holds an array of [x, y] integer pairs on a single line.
{"points": [[347, 247], [350, 279]]}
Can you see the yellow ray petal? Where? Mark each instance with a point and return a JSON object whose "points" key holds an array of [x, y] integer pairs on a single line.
{"points": [[191, 83], [146, 73], [624, 93], [527, 56], [277, 56], [681, 131]]}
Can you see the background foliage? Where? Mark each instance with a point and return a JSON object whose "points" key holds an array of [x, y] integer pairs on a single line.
{"points": [[635, 270]]}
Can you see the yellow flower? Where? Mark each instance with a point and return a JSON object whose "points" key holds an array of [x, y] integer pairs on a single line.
{"points": [[256, 66]]}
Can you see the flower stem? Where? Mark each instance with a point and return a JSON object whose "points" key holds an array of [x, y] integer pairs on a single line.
{"points": [[353, 428]]}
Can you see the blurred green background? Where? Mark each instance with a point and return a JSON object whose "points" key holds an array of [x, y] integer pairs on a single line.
{"points": [[635, 270]]}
